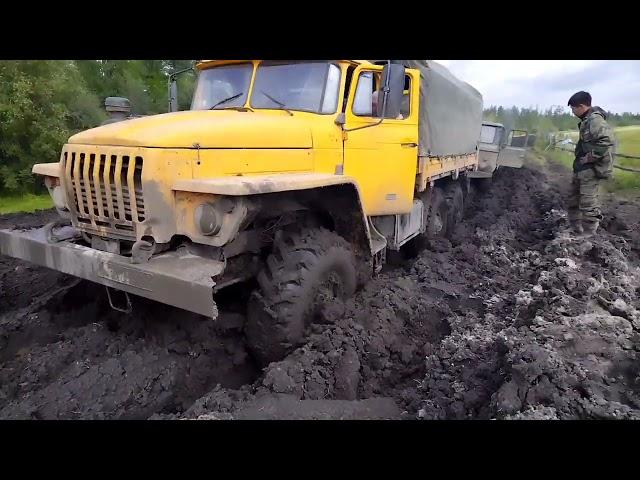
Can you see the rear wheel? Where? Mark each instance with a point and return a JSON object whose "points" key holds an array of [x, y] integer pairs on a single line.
{"points": [[437, 213], [305, 272], [455, 201]]}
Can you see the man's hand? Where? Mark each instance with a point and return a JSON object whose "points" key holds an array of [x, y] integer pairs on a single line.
{"points": [[588, 158]]}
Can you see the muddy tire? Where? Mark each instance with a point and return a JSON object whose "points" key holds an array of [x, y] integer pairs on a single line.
{"points": [[305, 271], [439, 215], [455, 201]]}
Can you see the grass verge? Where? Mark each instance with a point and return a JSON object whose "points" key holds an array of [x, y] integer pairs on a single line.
{"points": [[25, 203]]}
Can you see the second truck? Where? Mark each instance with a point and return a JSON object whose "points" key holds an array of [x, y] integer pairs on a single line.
{"points": [[300, 175]]}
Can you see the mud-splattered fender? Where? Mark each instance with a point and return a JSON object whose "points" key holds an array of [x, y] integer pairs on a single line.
{"points": [[341, 192], [257, 184]]}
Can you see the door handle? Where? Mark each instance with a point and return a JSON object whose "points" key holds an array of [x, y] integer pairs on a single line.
{"points": [[408, 145]]}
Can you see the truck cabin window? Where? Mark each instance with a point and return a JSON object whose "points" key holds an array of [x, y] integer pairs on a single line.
{"points": [[366, 102], [517, 138], [305, 86], [488, 134], [222, 87]]}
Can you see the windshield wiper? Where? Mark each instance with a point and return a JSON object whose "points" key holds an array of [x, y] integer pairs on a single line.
{"points": [[277, 102], [228, 99], [240, 109]]}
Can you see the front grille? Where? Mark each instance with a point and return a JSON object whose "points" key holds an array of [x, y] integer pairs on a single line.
{"points": [[105, 190]]}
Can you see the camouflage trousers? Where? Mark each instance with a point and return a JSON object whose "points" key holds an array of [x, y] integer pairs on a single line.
{"points": [[584, 201]]}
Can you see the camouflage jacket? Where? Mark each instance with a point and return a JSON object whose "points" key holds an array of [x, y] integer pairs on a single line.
{"points": [[596, 143]]}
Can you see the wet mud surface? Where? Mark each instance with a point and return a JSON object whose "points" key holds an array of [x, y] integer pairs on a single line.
{"points": [[512, 319]]}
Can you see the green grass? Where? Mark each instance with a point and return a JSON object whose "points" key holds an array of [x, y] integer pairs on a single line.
{"points": [[25, 203], [629, 144], [629, 138], [565, 158], [535, 159]]}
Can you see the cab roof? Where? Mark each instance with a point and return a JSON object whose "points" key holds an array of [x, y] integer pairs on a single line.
{"points": [[202, 64]]}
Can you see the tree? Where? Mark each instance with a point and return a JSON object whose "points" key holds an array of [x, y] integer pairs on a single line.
{"points": [[42, 103], [143, 82]]}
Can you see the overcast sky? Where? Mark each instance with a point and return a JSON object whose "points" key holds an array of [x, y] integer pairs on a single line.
{"points": [[613, 84]]}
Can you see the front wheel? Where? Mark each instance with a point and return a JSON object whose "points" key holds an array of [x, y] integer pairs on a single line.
{"points": [[305, 272]]}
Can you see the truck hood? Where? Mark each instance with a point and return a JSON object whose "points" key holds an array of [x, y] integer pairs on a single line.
{"points": [[206, 129]]}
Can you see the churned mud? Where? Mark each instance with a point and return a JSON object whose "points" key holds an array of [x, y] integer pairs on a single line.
{"points": [[512, 319]]}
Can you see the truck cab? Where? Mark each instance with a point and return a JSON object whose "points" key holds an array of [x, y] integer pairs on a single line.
{"points": [[298, 174], [499, 147]]}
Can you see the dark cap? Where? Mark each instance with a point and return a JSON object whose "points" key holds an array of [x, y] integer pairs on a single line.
{"points": [[580, 98]]}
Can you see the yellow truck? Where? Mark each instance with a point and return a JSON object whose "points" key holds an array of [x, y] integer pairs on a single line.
{"points": [[297, 175]]}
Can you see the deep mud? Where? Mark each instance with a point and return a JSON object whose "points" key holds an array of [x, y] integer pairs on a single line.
{"points": [[512, 319]]}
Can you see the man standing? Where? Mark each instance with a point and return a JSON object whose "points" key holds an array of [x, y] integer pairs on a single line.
{"points": [[593, 164]]}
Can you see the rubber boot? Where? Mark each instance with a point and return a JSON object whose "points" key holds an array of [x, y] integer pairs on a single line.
{"points": [[589, 229], [576, 227]]}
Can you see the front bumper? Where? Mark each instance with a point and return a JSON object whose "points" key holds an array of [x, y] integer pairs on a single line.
{"points": [[176, 278]]}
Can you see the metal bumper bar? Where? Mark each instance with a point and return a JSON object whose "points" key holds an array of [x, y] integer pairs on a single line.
{"points": [[175, 278]]}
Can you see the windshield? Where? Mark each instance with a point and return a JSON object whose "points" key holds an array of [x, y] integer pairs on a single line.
{"points": [[311, 87], [305, 86], [228, 82]]}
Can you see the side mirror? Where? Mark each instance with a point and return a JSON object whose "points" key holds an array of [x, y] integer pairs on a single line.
{"points": [[173, 88], [173, 95], [392, 90], [340, 119]]}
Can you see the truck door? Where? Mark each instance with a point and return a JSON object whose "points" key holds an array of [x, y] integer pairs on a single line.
{"points": [[489, 147], [383, 157], [512, 154]]}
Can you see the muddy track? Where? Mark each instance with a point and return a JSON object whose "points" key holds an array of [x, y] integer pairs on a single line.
{"points": [[508, 320]]}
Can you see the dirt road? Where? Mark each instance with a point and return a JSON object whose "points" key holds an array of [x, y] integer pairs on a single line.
{"points": [[509, 320]]}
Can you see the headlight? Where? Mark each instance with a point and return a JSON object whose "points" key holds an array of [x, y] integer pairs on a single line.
{"points": [[57, 194], [56, 191], [208, 219]]}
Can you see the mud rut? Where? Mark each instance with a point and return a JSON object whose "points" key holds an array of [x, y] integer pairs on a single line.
{"points": [[509, 320]]}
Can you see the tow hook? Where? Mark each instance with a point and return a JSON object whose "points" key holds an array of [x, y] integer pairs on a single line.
{"points": [[141, 251], [128, 309]]}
